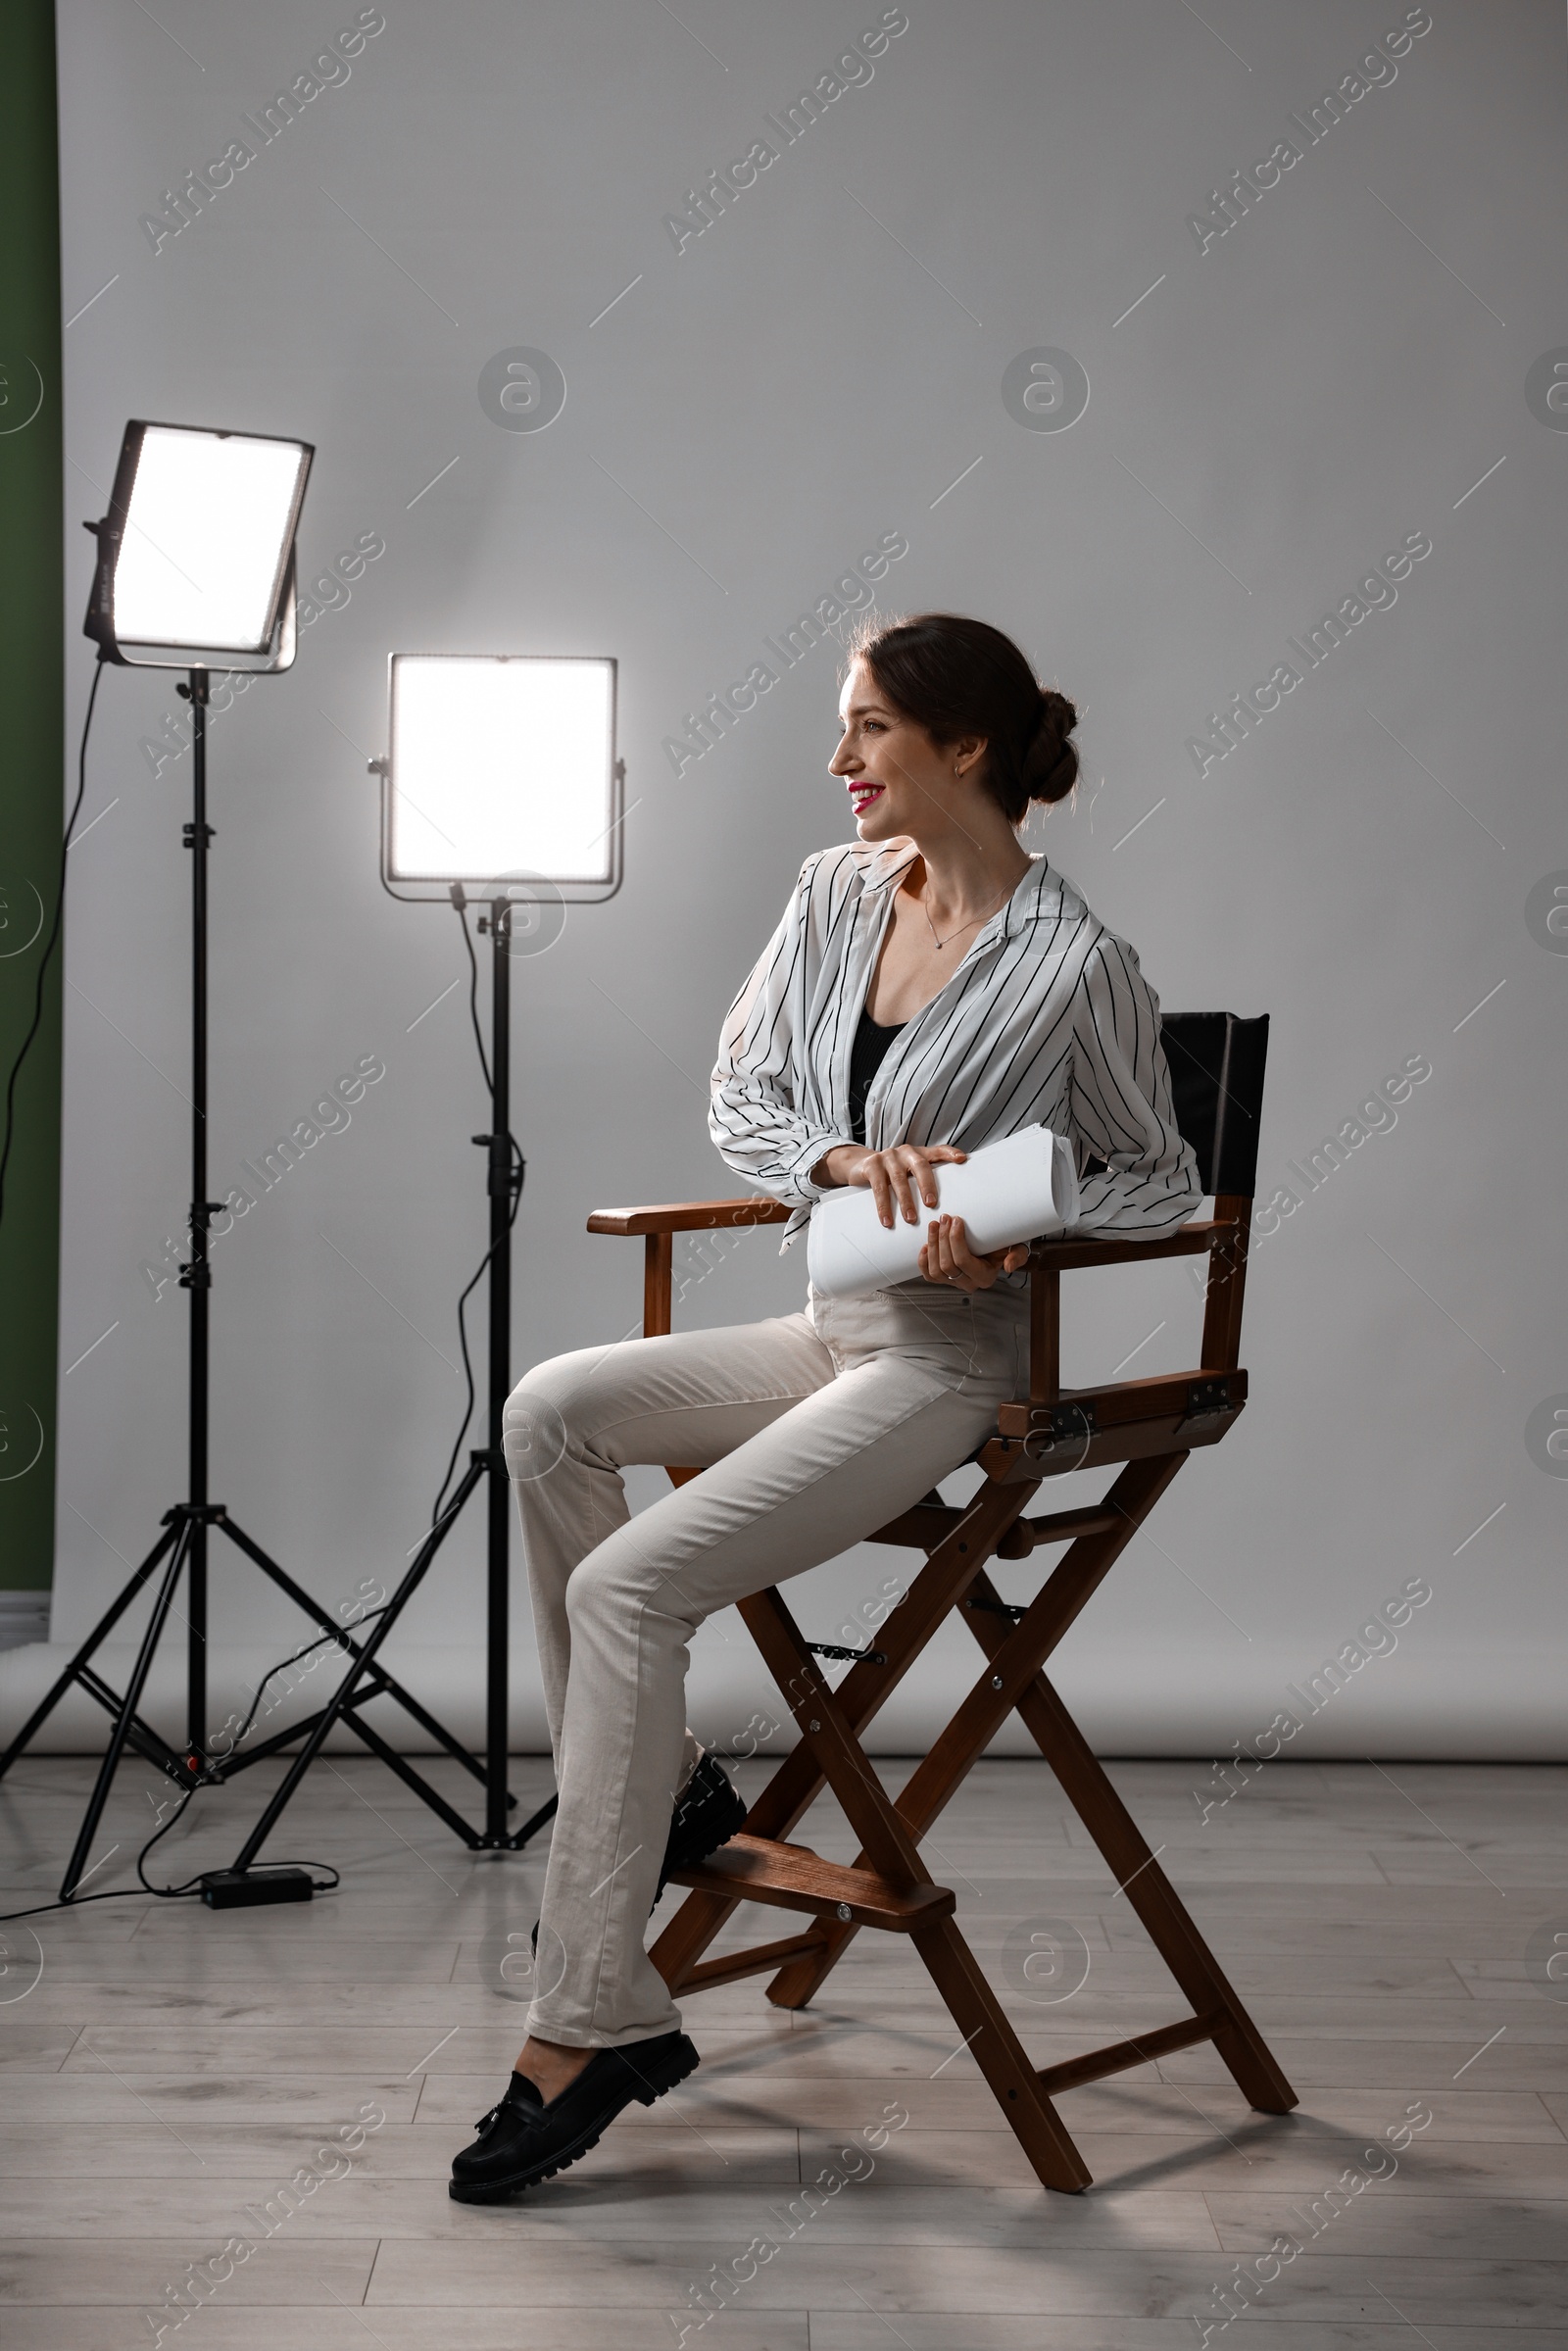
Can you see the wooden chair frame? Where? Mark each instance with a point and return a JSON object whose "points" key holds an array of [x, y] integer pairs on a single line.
{"points": [[1149, 1425]]}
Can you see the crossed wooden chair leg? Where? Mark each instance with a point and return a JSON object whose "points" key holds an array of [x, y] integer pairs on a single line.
{"points": [[888, 1886]]}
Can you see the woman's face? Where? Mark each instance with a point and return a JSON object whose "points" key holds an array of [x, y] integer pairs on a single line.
{"points": [[900, 782]]}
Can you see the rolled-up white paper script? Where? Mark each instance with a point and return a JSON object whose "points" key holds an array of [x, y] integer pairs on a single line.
{"points": [[1022, 1188]]}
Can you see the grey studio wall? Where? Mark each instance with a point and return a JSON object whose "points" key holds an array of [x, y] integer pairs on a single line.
{"points": [[1162, 340]]}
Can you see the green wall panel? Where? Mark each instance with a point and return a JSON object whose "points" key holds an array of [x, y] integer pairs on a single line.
{"points": [[31, 815]]}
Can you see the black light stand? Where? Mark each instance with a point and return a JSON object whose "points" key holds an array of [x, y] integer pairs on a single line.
{"points": [[183, 1543], [182, 1548], [505, 1171], [491, 772], [505, 1185]]}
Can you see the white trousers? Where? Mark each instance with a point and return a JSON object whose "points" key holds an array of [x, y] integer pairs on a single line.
{"points": [[812, 1430]]}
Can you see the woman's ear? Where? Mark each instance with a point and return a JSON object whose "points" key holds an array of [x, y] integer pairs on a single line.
{"points": [[967, 753]]}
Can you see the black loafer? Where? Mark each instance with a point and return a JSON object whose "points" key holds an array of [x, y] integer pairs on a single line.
{"points": [[521, 2140], [710, 1810]]}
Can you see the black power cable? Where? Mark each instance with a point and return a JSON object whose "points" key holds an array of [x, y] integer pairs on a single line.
{"points": [[461, 904], [170, 1894]]}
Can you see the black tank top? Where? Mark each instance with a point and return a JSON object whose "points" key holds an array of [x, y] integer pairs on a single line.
{"points": [[866, 1056]]}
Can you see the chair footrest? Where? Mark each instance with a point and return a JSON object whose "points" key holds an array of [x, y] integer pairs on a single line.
{"points": [[760, 1869], [1123, 2055]]}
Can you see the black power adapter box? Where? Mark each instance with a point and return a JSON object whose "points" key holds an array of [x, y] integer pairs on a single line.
{"points": [[236, 1890]]}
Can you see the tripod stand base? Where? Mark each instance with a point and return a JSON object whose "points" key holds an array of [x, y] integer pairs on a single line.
{"points": [[192, 1767]]}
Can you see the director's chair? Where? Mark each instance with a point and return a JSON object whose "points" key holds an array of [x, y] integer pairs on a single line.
{"points": [[1149, 1426]]}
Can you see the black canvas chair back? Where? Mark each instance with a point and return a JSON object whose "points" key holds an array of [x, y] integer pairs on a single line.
{"points": [[1216, 1081]]}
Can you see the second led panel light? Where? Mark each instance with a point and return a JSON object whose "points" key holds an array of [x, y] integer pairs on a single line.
{"points": [[500, 766]]}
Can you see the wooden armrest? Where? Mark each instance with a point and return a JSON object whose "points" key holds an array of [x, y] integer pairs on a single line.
{"points": [[1188, 1241], [709, 1215], [690, 1216], [1223, 1238]]}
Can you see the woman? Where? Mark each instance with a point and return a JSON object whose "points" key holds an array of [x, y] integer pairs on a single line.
{"points": [[930, 986]]}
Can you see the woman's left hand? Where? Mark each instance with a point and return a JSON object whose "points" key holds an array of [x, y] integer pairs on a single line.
{"points": [[946, 1257]]}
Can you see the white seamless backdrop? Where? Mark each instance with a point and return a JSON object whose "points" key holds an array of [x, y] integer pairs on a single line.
{"points": [[1159, 340]]}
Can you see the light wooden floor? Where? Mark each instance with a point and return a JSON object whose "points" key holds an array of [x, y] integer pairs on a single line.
{"points": [[171, 2066]]}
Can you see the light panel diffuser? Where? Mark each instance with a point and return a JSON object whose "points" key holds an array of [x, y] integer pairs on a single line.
{"points": [[207, 536], [500, 766]]}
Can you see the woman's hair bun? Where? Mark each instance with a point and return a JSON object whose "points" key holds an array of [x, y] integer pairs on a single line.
{"points": [[956, 677], [1051, 764]]}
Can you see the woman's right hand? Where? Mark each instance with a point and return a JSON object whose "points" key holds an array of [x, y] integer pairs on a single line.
{"points": [[898, 1178]]}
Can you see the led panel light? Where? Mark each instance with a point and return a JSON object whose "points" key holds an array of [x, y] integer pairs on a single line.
{"points": [[503, 767], [196, 555]]}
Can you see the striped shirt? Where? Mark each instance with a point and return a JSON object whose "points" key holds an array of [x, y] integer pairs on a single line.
{"points": [[1048, 1021]]}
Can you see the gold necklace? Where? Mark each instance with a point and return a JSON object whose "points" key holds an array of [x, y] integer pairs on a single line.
{"points": [[962, 927]]}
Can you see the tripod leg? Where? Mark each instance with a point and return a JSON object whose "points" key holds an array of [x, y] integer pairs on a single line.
{"points": [[132, 1699], [100, 1631]]}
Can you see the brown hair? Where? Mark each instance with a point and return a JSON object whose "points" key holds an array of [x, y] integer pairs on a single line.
{"points": [[962, 677]]}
